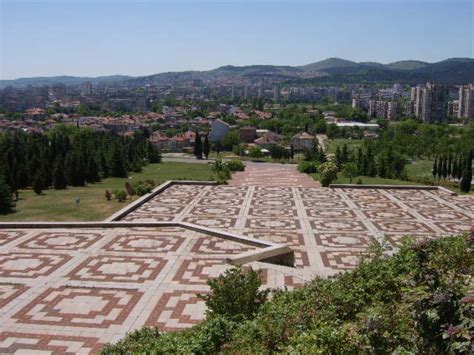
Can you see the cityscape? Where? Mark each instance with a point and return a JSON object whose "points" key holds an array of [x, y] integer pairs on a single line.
{"points": [[162, 191]]}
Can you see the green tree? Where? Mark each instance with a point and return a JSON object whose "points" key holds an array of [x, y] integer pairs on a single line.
{"points": [[117, 164], [466, 178], [434, 170], [349, 170], [235, 295], [230, 139], [338, 157], [6, 201], [198, 146], [59, 174], [328, 172], [38, 182], [206, 147]]}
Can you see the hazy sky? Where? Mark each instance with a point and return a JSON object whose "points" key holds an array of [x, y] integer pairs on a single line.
{"points": [[91, 38]]}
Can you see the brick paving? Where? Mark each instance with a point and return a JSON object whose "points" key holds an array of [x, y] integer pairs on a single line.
{"points": [[272, 175], [73, 290]]}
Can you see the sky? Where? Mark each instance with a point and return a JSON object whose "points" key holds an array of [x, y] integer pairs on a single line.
{"points": [[104, 37]]}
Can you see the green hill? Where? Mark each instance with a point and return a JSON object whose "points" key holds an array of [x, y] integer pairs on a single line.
{"points": [[328, 64], [421, 300], [406, 65]]}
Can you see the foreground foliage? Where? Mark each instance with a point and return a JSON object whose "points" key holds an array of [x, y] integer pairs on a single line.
{"points": [[416, 301]]}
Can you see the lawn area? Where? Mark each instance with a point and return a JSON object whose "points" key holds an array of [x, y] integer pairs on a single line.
{"points": [[59, 205], [420, 168], [367, 180], [331, 144]]}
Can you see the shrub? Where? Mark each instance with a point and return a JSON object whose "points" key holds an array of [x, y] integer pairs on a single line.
{"points": [[256, 152], [359, 181], [108, 195], [121, 196], [235, 165], [141, 188], [235, 295], [130, 189], [308, 167], [328, 172], [6, 202]]}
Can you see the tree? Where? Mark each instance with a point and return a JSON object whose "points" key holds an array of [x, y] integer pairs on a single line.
{"points": [[235, 295], [445, 168], [349, 170], [292, 152], [454, 170], [117, 165], [345, 153], [38, 182], [153, 154], [338, 157], [328, 172], [206, 147], [466, 178], [198, 146], [434, 171], [6, 202], [59, 176]]}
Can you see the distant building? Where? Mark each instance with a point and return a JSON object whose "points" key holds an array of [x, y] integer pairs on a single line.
{"points": [[276, 94], [466, 101], [430, 103], [247, 134], [303, 141], [87, 88], [218, 130], [382, 109], [264, 142]]}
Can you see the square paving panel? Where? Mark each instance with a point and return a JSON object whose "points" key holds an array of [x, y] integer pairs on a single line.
{"points": [[61, 240], [136, 242], [322, 212], [337, 225], [176, 310], [276, 203], [15, 342], [270, 223], [403, 226], [323, 203], [7, 236], [108, 268], [377, 205], [216, 210], [30, 265], [196, 270], [455, 227], [340, 260], [79, 307], [445, 214], [207, 245], [273, 212], [211, 201], [9, 292], [344, 240], [292, 238], [212, 221], [389, 214], [396, 239]]}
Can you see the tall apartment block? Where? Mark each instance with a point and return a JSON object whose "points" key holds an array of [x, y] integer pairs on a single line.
{"points": [[430, 102], [466, 101], [383, 109]]}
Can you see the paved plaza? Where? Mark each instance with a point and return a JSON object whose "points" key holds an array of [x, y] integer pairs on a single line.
{"points": [[71, 290]]}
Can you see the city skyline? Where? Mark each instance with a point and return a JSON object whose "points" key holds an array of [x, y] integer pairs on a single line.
{"points": [[89, 39]]}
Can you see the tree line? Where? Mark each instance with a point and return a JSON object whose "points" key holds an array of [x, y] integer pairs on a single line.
{"points": [[67, 156]]}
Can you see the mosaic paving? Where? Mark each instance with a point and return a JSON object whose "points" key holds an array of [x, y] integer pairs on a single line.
{"points": [[71, 291]]}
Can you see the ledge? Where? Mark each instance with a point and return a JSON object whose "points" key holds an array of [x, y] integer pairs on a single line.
{"points": [[393, 187]]}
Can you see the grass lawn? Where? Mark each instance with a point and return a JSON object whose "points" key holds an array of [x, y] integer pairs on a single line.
{"points": [[59, 205], [331, 144], [420, 168], [367, 180]]}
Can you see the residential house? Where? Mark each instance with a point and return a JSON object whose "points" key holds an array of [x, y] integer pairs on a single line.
{"points": [[303, 141], [218, 130]]}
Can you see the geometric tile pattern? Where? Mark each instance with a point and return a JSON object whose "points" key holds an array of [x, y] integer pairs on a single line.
{"points": [[71, 291]]}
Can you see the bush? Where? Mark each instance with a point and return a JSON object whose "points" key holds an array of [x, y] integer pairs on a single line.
{"points": [[359, 181], [121, 196], [235, 295], [108, 195], [6, 202], [143, 187], [308, 167], [328, 172], [235, 165]]}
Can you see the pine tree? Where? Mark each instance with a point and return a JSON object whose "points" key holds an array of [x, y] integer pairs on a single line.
{"points": [[345, 153], [445, 168], [434, 171], [371, 166], [466, 179], [92, 171], [454, 171], [338, 157], [360, 162], [450, 163], [59, 175], [38, 182], [292, 151], [322, 156], [117, 164], [198, 146], [6, 203], [460, 168], [206, 148]]}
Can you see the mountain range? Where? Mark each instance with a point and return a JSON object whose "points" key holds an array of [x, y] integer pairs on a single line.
{"points": [[328, 71]]}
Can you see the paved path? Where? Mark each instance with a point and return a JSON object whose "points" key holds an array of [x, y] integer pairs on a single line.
{"points": [[272, 175]]}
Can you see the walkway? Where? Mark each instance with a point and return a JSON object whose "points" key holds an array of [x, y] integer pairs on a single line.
{"points": [[272, 175]]}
